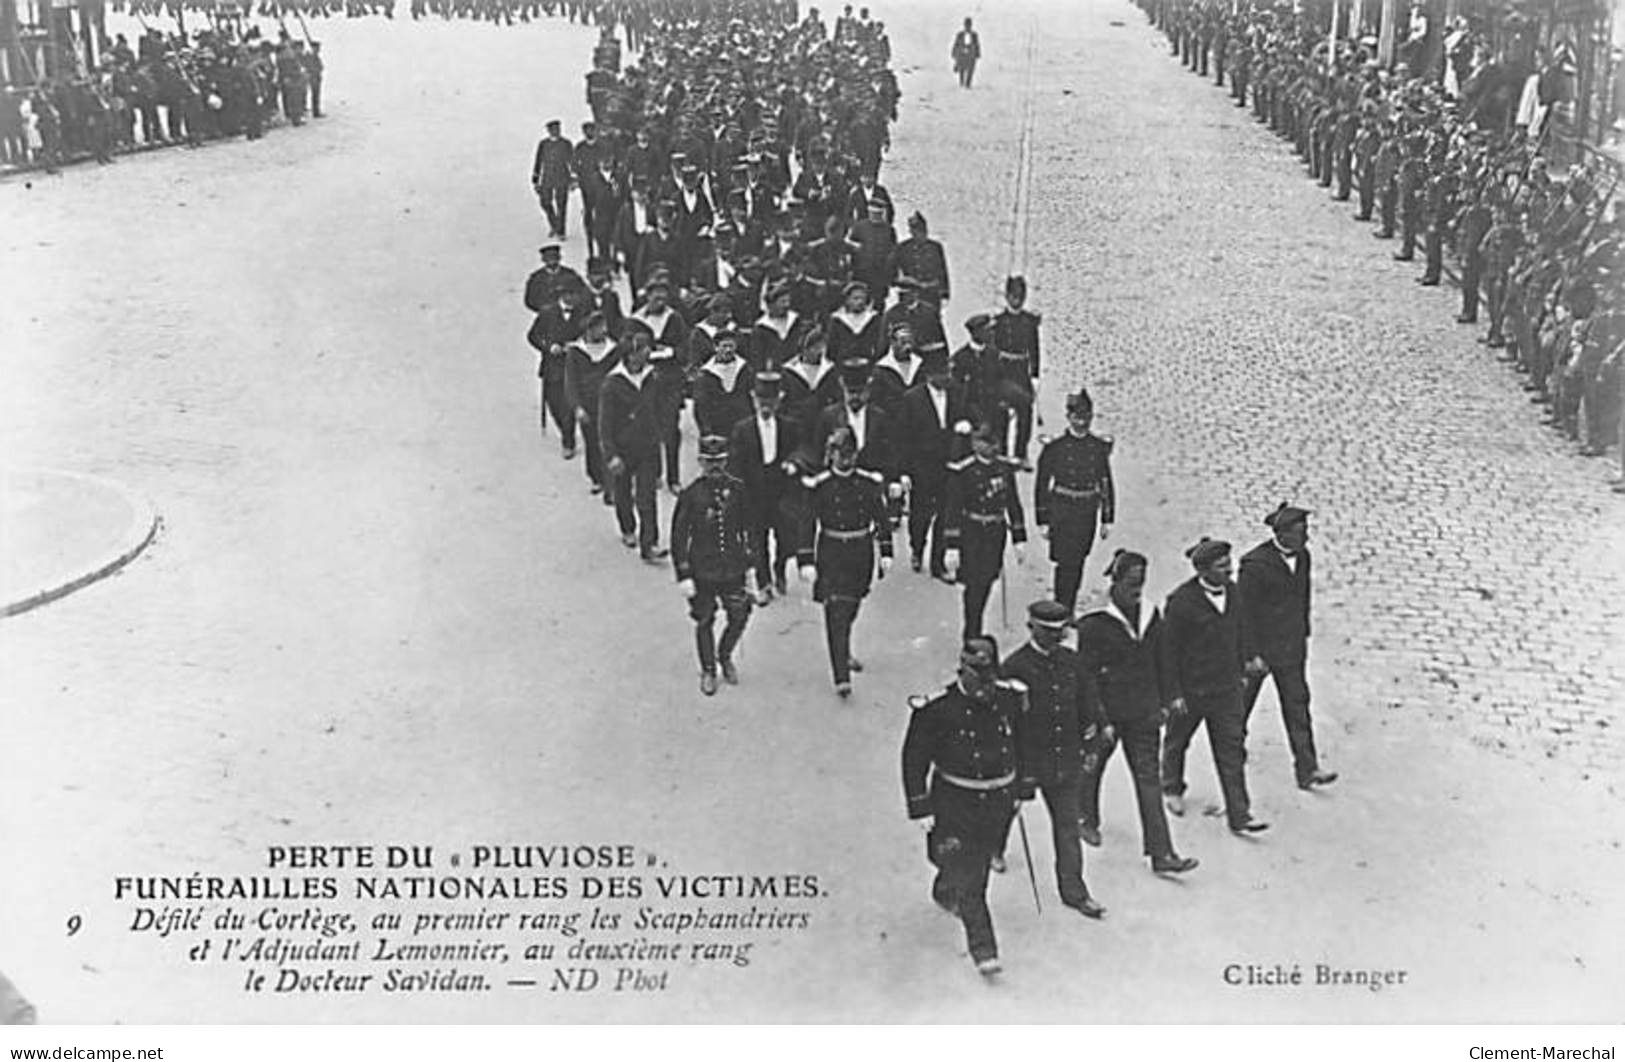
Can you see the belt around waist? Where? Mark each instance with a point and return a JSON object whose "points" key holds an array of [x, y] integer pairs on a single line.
{"points": [[986, 518], [846, 536], [1069, 492], [980, 784], [1012, 355]]}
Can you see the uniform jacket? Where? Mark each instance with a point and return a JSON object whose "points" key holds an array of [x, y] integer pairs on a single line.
{"points": [[1070, 466], [923, 259], [709, 541], [553, 165], [878, 452], [1016, 332], [1121, 665], [722, 396], [775, 342], [1276, 602], [1205, 648], [585, 367], [890, 380], [1052, 732], [978, 491], [808, 391], [631, 414], [852, 336], [959, 735]]}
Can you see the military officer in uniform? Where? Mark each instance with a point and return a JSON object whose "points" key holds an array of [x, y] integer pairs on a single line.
{"points": [[710, 550], [846, 518], [1209, 649], [1120, 673], [1052, 740], [1015, 337], [962, 777], [981, 506], [1274, 585], [1073, 495]]}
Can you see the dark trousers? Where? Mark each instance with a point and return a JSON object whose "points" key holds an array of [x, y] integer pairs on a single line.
{"points": [[925, 523], [702, 607], [1433, 250], [970, 825], [1071, 552], [773, 542], [1495, 293], [1390, 207], [1141, 740], [1064, 799], [1292, 688], [1023, 413], [1368, 193], [840, 613], [316, 98], [976, 595], [1226, 735], [1409, 220], [672, 445], [1345, 174], [556, 405], [1472, 275], [595, 452], [635, 509], [966, 68], [554, 203], [1218, 67]]}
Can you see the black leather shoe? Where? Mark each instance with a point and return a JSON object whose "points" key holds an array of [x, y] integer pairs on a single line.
{"points": [[854, 664], [1428, 282], [1173, 864], [1404, 258], [1087, 907], [1090, 834], [997, 864], [1466, 320], [1318, 778], [916, 562], [730, 674], [1250, 826]]}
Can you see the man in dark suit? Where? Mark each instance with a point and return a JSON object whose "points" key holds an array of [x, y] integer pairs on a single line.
{"points": [[1209, 647], [871, 431], [1274, 585], [550, 176], [1121, 675], [931, 417], [759, 456], [966, 51], [631, 415]]}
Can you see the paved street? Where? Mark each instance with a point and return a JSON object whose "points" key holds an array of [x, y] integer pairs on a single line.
{"points": [[381, 610]]}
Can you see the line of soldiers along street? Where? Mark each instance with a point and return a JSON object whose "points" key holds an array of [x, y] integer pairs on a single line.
{"points": [[833, 415], [169, 90], [1539, 252]]}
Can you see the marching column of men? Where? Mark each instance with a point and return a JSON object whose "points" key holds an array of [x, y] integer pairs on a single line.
{"points": [[828, 420]]}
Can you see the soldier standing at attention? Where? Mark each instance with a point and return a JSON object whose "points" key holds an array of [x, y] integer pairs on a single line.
{"points": [[966, 50], [314, 68], [962, 776], [1386, 166], [711, 552], [1209, 649], [1073, 495], [1015, 336], [1366, 143], [1274, 585], [1120, 672], [847, 517], [1052, 741], [1410, 182], [980, 506], [550, 177]]}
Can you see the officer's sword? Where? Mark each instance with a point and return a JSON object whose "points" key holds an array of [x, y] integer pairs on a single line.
{"points": [[1027, 853]]}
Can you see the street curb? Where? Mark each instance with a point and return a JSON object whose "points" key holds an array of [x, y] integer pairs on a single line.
{"points": [[142, 530]]}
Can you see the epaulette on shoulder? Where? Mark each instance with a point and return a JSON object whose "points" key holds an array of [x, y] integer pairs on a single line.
{"points": [[961, 464], [1008, 462], [813, 480], [1107, 439], [1014, 685], [871, 474], [1037, 317]]}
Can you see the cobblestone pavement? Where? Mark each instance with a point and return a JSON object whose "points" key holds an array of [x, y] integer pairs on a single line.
{"points": [[381, 611], [1250, 342]]}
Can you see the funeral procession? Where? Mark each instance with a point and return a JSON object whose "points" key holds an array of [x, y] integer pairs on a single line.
{"points": [[1126, 495]]}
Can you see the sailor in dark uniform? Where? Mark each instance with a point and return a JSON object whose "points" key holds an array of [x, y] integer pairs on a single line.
{"points": [[962, 776], [847, 516], [1073, 495], [1121, 676], [980, 506], [710, 550], [1209, 649]]}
